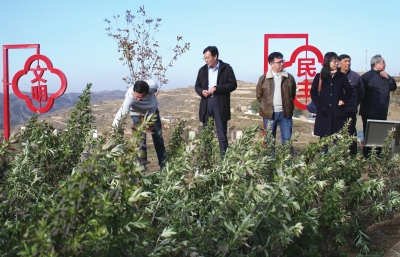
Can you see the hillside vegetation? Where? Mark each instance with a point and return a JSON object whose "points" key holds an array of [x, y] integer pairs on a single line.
{"points": [[69, 194]]}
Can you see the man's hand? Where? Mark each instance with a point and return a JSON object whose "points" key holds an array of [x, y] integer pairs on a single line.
{"points": [[212, 90], [384, 74], [149, 129], [205, 93], [340, 103]]}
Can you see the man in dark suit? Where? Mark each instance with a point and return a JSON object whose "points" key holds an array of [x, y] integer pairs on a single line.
{"points": [[355, 99], [375, 102], [214, 84]]}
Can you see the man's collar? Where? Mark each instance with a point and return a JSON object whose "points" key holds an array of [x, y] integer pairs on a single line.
{"points": [[216, 67], [347, 72], [377, 71], [269, 74]]}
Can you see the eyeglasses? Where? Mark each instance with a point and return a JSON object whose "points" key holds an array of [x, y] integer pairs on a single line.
{"points": [[207, 58], [279, 62], [335, 61]]}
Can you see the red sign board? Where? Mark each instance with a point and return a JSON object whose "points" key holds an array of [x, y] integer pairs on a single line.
{"points": [[39, 86], [306, 66], [38, 83]]}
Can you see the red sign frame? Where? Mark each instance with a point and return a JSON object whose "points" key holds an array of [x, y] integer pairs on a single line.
{"points": [[49, 66], [304, 48]]}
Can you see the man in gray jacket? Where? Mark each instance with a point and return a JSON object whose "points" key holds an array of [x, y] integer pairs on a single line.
{"points": [[140, 100]]}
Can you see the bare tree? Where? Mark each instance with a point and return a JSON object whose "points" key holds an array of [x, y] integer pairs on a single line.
{"points": [[140, 49]]}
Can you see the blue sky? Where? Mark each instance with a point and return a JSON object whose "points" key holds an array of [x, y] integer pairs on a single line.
{"points": [[72, 34]]}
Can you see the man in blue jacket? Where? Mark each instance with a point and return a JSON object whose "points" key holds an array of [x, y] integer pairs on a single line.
{"points": [[375, 103], [214, 84], [355, 99]]}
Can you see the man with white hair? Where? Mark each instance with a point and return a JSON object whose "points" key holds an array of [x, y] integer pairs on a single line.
{"points": [[140, 100], [377, 87]]}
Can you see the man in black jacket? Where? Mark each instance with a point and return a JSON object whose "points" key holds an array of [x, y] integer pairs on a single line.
{"points": [[375, 103], [355, 99], [214, 84]]}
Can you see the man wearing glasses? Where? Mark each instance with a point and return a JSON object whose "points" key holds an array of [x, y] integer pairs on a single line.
{"points": [[214, 84], [140, 100], [276, 91], [377, 87]]}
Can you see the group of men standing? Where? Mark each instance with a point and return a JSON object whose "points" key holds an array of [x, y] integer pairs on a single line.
{"points": [[276, 91]]}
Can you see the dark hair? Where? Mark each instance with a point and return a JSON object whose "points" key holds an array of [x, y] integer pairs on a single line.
{"points": [[344, 56], [141, 87], [326, 69], [213, 50], [272, 56]]}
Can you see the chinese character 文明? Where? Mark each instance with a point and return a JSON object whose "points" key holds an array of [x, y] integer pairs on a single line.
{"points": [[39, 92]]}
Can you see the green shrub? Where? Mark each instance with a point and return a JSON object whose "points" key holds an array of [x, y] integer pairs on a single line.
{"points": [[68, 194]]}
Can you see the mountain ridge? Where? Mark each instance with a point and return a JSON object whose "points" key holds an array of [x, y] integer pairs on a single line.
{"points": [[20, 113]]}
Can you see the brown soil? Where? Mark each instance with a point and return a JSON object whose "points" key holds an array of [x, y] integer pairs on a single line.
{"points": [[383, 236]]}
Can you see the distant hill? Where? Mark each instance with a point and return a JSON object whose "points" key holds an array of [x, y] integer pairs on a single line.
{"points": [[178, 103], [19, 112]]}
